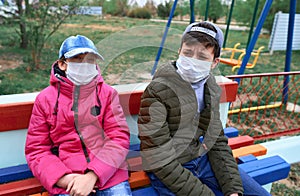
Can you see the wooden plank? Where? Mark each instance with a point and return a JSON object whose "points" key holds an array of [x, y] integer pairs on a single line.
{"points": [[256, 150], [138, 179], [21, 187], [247, 158], [134, 151], [135, 164], [267, 170], [130, 101], [229, 91], [14, 173], [240, 141], [15, 116], [231, 132], [40, 194]]}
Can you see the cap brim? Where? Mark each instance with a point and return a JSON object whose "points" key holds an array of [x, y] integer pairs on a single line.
{"points": [[77, 51]]}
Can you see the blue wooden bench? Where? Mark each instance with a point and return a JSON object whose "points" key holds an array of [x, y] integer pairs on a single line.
{"points": [[18, 179]]}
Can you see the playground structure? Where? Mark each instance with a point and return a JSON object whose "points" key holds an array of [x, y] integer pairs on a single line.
{"points": [[278, 39], [252, 36], [236, 63], [266, 107]]}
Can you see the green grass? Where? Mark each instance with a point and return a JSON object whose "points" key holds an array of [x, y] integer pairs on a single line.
{"points": [[18, 80], [280, 189]]}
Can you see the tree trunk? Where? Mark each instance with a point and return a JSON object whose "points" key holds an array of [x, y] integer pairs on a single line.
{"points": [[22, 24], [24, 39], [28, 8]]}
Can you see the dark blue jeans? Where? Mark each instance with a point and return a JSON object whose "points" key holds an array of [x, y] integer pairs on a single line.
{"points": [[200, 167], [120, 189]]}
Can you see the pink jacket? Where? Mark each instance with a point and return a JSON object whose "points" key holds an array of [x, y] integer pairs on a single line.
{"points": [[54, 147]]}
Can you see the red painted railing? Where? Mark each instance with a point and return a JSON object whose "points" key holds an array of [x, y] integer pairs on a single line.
{"points": [[260, 110]]}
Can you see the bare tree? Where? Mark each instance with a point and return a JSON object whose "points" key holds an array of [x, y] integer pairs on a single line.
{"points": [[39, 21]]}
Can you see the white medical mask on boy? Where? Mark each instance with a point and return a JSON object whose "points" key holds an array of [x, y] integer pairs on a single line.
{"points": [[191, 69], [81, 73]]}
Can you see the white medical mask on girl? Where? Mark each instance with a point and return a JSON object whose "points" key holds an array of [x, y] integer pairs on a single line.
{"points": [[81, 73], [193, 70]]}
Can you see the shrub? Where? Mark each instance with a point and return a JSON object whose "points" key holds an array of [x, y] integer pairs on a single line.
{"points": [[163, 10], [115, 7], [139, 13]]}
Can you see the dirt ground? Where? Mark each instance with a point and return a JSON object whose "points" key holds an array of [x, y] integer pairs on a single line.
{"points": [[8, 64], [9, 61], [98, 27]]}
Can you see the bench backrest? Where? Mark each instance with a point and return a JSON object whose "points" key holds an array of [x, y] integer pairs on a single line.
{"points": [[15, 111]]}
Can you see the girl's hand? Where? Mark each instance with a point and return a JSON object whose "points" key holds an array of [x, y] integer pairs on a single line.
{"points": [[65, 180], [82, 185]]}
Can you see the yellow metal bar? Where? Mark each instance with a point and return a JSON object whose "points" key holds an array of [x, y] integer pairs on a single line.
{"points": [[254, 108]]}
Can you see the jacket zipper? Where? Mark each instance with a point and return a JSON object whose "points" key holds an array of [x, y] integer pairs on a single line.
{"points": [[75, 109]]}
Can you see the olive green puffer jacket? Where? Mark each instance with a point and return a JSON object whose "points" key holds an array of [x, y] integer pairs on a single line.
{"points": [[169, 130]]}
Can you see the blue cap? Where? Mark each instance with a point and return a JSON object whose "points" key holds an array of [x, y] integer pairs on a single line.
{"points": [[218, 36], [78, 44]]}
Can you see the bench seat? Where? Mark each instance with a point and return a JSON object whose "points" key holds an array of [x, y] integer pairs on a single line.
{"points": [[140, 183]]}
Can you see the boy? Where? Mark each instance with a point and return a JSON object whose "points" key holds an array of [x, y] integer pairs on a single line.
{"points": [[180, 105]]}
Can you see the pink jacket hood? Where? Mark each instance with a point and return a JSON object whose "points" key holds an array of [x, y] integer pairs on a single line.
{"points": [[77, 128]]}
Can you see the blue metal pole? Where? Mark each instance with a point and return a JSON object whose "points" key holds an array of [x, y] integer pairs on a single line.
{"points": [[256, 33], [288, 55], [192, 18], [228, 23], [253, 21], [206, 10], [164, 38]]}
